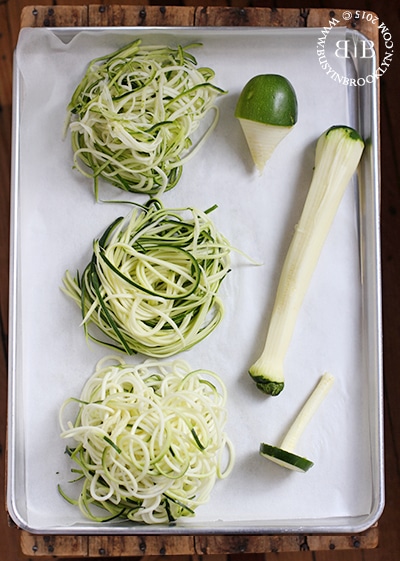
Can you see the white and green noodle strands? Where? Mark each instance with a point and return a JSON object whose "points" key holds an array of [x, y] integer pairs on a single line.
{"points": [[152, 284], [133, 115], [149, 440]]}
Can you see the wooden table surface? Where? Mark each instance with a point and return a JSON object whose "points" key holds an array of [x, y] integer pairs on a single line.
{"points": [[92, 546]]}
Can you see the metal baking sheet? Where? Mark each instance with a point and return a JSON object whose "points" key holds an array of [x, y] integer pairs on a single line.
{"points": [[55, 219]]}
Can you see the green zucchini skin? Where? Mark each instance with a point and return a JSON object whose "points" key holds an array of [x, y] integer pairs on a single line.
{"points": [[269, 99], [285, 458], [270, 387]]}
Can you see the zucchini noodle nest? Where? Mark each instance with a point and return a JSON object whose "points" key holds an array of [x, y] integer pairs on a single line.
{"points": [[132, 116], [149, 440], [151, 285]]}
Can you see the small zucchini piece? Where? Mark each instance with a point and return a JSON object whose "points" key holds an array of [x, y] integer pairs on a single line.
{"points": [[284, 454], [267, 112]]}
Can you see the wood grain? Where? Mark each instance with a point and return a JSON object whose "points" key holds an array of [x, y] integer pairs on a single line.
{"points": [[382, 544], [59, 16], [126, 546]]}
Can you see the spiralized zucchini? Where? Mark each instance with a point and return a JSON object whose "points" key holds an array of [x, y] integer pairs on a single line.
{"points": [[133, 115], [151, 285], [149, 440]]}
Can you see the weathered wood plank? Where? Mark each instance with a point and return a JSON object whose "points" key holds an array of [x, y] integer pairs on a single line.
{"points": [[5, 156], [124, 546], [241, 544], [140, 15], [364, 540], [321, 18], [5, 166], [249, 17], [61, 546], [285, 543], [6, 66], [57, 16]]}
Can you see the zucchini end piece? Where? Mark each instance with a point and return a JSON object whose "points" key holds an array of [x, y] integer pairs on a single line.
{"points": [[270, 388], [267, 111]]}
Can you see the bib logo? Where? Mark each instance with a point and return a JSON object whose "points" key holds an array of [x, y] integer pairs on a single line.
{"points": [[353, 49]]}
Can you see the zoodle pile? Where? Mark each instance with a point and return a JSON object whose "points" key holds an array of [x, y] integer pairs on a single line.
{"points": [[151, 285], [149, 440], [133, 115]]}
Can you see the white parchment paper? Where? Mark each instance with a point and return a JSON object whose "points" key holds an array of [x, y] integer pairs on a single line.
{"points": [[58, 219]]}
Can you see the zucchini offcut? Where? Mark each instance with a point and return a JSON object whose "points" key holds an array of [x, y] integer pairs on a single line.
{"points": [[284, 454]]}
